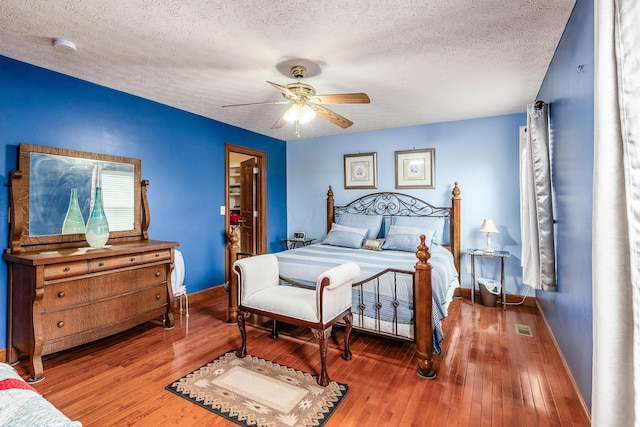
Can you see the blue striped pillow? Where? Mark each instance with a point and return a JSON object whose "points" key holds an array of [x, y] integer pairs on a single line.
{"points": [[425, 222], [346, 237], [406, 239], [370, 222]]}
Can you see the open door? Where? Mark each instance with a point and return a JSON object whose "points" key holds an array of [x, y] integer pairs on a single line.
{"points": [[246, 200], [249, 175]]}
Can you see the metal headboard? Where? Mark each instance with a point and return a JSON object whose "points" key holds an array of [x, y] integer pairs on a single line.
{"points": [[391, 204]]}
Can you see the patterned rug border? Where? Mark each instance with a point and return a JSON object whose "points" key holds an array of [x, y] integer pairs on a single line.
{"points": [[318, 419]]}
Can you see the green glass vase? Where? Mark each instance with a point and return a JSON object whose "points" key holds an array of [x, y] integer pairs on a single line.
{"points": [[73, 220], [97, 231]]}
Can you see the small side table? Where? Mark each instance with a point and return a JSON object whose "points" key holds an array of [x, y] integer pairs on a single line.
{"points": [[296, 243], [473, 253]]}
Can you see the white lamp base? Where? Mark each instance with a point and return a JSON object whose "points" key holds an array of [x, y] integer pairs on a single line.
{"points": [[489, 249]]}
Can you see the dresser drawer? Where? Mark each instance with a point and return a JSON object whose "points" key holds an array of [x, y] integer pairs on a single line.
{"points": [[82, 318], [161, 255], [69, 269], [111, 263], [95, 287]]}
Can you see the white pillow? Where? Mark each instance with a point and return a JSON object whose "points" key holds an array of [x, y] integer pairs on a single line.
{"points": [[406, 239], [346, 237]]}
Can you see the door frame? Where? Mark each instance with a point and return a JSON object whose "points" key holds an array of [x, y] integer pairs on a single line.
{"points": [[261, 237]]}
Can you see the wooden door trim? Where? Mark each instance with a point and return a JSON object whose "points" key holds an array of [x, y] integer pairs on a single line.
{"points": [[261, 239]]}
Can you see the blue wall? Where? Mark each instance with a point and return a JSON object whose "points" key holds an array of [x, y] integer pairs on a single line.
{"points": [[182, 156], [481, 155], [570, 92]]}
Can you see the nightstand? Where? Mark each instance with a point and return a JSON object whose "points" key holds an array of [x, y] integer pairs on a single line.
{"points": [[296, 243], [473, 253]]}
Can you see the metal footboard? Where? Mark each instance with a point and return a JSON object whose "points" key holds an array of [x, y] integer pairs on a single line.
{"points": [[376, 324]]}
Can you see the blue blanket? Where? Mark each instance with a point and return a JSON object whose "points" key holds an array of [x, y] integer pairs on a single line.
{"points": [[386, 300]]}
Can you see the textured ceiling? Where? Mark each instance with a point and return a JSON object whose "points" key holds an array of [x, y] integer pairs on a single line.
{"points": [[420, 61]]}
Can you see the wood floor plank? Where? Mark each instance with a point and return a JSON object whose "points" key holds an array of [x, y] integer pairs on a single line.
{"points": [[486, 375]]}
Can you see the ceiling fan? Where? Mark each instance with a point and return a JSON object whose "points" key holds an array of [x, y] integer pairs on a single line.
{"points": [[305, 104]]}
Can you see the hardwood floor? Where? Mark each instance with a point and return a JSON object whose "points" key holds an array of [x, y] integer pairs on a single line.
{"points": [[487, 375]]}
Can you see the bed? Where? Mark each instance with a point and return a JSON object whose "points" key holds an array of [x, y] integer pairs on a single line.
{"points": [[396, 294], [22, 405]]}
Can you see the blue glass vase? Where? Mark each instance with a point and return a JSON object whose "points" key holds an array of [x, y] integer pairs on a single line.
{"points": [[73, 220], [97, 231]]}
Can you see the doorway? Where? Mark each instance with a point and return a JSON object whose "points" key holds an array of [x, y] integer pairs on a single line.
{"points": [[246, 199]]}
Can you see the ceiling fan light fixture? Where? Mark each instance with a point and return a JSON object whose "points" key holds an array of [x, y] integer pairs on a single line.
{"points": [[299, 113], [304, 103]]}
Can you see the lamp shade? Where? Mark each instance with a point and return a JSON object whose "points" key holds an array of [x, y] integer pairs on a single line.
{"points": [[488, 227]]}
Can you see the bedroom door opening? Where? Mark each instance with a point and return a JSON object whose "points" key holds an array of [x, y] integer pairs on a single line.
{"points": [[246, 198]]}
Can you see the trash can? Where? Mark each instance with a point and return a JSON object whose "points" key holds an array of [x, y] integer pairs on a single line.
{"points": [[489, 292]]}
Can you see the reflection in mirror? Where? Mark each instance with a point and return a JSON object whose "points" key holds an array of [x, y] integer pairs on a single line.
{"points": [[52, 178]]}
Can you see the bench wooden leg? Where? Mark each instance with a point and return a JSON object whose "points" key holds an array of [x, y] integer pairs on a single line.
{"points": [[243, 333], [274, 330], [323, 340], [348, 318]]}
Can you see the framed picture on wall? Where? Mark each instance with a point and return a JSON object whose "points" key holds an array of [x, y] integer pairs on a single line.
{"points": [[360, 171], [416, 168]]}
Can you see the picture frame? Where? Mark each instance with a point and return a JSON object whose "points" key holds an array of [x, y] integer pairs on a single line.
{"points": [[416, 168], [360, 171]]}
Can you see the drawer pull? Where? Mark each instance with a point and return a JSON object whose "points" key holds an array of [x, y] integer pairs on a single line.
{"points": [[157, 296], [67, 268], [101, 264], [157, 255], [61, 294], [132, 259], [60, 324], [158, 273]]}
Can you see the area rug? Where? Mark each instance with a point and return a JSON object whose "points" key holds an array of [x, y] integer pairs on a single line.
{"points": [[256, 392]]}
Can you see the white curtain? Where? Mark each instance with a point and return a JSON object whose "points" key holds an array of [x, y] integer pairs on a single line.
{"points": [[536, 209], [616, 215]]}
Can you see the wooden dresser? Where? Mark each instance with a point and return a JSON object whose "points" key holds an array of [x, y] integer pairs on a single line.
{"points": [[64, 298], [62, 293]]}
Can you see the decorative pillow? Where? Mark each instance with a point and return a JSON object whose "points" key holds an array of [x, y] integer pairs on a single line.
{"points": [[425, 222], [371, 222], [373, 244], [346, 237], [406, 239]]}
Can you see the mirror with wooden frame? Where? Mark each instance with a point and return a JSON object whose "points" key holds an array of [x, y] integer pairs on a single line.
{"points": [[42, 185]]}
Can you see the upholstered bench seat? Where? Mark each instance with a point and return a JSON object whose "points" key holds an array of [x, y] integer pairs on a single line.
{"points": [[288, 301], [260, 292]]}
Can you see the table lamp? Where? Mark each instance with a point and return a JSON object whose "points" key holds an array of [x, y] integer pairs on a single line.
{"points": [[489, 227]]}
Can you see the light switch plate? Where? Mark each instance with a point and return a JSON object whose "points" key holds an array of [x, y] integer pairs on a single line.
{"points": [[222, 210]]}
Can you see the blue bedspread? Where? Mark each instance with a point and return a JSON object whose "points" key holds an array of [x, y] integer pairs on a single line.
{"points": [[305, 264]]}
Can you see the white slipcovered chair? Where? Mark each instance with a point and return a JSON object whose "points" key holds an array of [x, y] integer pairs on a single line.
{"points": [[260, 292], [177, 281]]}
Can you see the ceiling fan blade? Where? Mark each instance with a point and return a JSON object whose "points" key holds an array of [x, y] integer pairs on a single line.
{"points": [[334, 118], [280, 122], [342, 98], [258, 103], [284, 90]]}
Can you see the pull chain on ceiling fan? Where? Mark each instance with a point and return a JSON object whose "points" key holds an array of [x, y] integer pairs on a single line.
{"points": [[305, 104]]}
